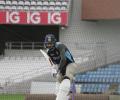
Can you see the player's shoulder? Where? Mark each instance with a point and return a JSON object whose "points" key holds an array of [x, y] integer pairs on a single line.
{"points": [[58, 44]]}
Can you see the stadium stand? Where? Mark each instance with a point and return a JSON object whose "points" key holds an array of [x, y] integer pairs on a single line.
{"points": [[24, 87], [48, 5], [102, 80], [26, 59]]}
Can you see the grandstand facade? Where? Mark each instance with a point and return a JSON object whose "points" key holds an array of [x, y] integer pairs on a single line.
{"points": [[94, 42]]}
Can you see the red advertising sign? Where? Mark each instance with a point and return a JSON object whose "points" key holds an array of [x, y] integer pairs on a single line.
{"points": [[42, 18]]}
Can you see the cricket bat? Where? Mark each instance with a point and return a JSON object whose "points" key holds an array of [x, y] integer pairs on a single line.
{"points": [[47, 57]]}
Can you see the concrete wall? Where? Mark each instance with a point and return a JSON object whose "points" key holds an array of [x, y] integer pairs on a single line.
{"points": [[76, 97], [100, 9], [114, 97]]}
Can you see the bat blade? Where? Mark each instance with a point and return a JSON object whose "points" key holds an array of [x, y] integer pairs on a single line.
{"points": [[47, 57]]}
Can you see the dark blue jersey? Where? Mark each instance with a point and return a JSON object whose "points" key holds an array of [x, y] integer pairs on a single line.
{"points": [[60, 55]]}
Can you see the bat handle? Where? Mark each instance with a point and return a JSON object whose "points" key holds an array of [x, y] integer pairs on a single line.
{"points": [[51, 62]]}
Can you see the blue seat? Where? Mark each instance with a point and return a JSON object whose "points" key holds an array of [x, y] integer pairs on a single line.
{"points": [[99, 90]]}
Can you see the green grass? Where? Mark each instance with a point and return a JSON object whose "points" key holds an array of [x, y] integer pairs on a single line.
{"points": [[12, 97]]}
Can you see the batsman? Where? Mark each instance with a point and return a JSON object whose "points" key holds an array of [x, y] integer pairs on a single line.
{"points": [[66, 66]]}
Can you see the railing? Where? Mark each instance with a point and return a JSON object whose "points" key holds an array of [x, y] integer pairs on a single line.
{"points": [[24, 45]]}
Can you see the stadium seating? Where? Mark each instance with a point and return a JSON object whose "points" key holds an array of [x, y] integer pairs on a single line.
{"points": [[33, 5], [99, 81], [25, 86]]}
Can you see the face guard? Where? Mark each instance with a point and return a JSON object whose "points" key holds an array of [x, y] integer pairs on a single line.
{"points": [[50, 41]]}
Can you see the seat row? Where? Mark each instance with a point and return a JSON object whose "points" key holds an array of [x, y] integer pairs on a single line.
{"points": [[98, 80], [34, 8], [94, 88], [37, 2]]}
